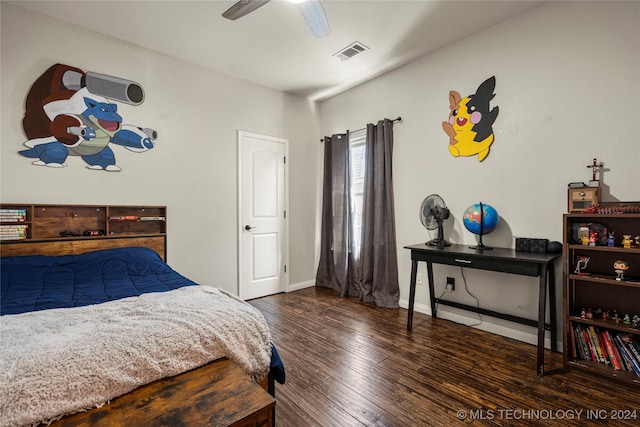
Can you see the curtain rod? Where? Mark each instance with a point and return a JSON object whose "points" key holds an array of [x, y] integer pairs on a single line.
{"points": [[399, 119]]}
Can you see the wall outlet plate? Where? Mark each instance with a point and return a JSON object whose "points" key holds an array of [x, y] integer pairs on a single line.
{"points": [[451, 284]]}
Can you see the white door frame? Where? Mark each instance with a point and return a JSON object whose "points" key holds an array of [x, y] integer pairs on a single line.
{"points": [[284, 285]]}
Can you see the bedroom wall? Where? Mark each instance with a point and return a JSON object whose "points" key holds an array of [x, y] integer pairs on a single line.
{"points": [[192, 169], [567, 87]]}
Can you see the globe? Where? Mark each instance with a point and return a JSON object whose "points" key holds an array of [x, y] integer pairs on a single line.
{"points": [[472, 217]]}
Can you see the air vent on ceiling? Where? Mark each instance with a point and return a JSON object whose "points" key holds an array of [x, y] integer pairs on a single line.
{"points": [[350, 51]]}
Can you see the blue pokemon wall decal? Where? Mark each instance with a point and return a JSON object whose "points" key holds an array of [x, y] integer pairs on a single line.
{"points": [[68, 113], [470, 122]]}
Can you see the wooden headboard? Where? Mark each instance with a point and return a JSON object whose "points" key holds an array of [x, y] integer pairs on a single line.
{"points": [[46, 229], [71, 246]]}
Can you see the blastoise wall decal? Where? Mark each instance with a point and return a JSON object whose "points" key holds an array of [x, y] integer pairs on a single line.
{"points": [[68, 113], [470, 122]]}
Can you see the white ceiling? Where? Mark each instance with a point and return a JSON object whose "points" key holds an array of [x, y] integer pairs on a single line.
{"points": [[273, 47]]}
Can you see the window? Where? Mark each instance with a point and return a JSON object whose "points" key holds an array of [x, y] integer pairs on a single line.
{"points": [[357, 159]]}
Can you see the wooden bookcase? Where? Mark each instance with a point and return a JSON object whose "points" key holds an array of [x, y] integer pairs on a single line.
{"points": [[596, 288], [60, 223]]}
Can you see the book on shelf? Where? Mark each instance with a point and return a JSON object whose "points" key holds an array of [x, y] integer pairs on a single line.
{"points": [[152, 218], [17, 237], [124, 218], [13, 215], [11, 228], [619, 350]]}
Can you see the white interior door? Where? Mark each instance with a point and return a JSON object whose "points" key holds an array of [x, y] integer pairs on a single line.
{"points": [[263, 241]]}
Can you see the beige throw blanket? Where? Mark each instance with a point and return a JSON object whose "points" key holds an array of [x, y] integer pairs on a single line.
{"points": [[61, 361]]}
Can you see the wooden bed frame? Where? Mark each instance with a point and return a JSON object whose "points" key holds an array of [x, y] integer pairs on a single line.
{"points": [[217, 394]]}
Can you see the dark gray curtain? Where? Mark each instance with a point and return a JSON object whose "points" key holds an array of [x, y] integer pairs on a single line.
{"points": [[377, 276], [334, 268], [374, 276]]}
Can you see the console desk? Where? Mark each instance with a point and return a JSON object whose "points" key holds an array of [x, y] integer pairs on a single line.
{"points": [[497, 259]]}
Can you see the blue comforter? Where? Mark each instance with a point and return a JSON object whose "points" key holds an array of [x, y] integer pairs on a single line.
{"points": [[31, 283]]}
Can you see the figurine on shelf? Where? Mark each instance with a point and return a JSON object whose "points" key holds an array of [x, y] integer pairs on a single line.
{"points": [[605, 315], [626, 241], [589, 314], [616, 318], [620, 267], [611, 240], [593, 236], [581, 264], [635, 321], [636, 241], [583, 314], [626, 320], [584, 238]]}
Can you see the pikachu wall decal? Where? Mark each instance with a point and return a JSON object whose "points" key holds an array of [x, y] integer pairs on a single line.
{"points": [[470, 122]]}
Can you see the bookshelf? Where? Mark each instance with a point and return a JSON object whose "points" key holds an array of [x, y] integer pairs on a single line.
{"points": [[589, 338], [47, 222]]}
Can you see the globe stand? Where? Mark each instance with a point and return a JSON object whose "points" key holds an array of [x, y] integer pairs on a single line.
{"points": [[480, 246]]}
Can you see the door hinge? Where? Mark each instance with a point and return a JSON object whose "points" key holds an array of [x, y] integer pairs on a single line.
{"points": [[285, 268], [285, 159], [285, 214]]}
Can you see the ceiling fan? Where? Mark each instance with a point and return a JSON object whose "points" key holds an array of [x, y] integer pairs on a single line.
{"points": [[311, 10]]}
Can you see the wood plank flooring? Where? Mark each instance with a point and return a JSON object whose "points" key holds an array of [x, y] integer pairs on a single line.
{"points": [[352, 364]]}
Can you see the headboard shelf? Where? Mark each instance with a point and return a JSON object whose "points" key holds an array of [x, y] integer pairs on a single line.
{"points": [[72, 229]]}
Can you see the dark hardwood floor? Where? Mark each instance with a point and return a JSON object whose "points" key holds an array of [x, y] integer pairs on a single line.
{"points": [[352, 364]]}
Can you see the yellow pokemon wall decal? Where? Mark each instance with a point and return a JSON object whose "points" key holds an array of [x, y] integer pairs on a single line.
{"points": [[469, 126]]}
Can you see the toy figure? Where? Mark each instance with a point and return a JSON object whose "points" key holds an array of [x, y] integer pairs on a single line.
{"points": [[605, 315], [637, 241], [620, 267], [635, 321], [616, 318], [592, 238], [626, 320], [584, 238], [611, 241], [626, 241], [581, 264], [589, 314]]}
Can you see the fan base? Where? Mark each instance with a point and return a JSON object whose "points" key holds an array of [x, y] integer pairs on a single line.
{"points": [[438, 242]]}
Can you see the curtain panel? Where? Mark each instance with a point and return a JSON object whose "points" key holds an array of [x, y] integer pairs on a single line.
{"points": [[378, 274], [373, 276], [335, 269]]}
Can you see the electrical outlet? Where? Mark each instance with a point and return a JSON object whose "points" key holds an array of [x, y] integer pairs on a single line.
{"points": [[419, 279], [451, 284]]}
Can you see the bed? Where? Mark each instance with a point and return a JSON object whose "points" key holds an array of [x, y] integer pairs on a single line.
{"points": [[81, 330]]}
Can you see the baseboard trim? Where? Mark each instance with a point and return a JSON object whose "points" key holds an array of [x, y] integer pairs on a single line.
{"points": [[301, 285], [486, 325]]}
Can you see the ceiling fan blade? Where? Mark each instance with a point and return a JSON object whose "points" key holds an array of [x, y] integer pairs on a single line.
{"points": [[316, 18], [243, 7]]}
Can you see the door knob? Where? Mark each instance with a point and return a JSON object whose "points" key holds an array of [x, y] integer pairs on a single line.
{"points": [[248, 227]]}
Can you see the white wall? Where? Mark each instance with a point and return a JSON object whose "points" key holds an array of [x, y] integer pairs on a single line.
{"points": [[192, 169], [567, 84]]}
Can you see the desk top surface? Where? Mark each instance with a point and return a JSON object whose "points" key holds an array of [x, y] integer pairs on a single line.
{"points": [[495, 253]]}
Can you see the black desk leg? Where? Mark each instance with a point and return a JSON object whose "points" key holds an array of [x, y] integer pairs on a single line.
{"points": [[542, 305], [412, 293], [432, 297], [552, 303]]}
